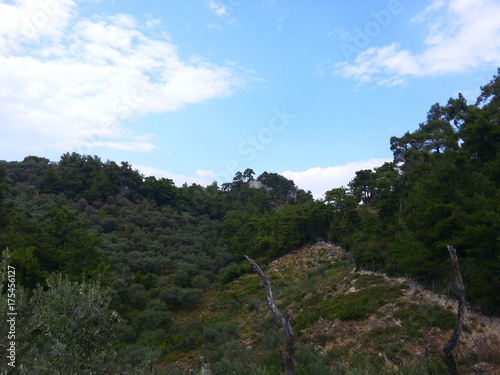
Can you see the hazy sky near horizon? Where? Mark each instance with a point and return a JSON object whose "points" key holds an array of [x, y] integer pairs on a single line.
{"points": [[195, 90]]}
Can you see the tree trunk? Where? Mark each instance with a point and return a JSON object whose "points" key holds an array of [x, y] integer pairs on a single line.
{"points": [[451, 343], [284, 319]]}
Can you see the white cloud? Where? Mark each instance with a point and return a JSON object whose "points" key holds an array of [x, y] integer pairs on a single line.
{"points": [[214, 27], [462, 35], [126, 146], [152, 23], [317, 180], [320, 180], [206, 174], [70, 82], [217, 9], [203, 179], [27, 21]]}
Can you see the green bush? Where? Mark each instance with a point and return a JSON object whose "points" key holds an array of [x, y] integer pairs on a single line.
{"points": [[220, 332], [311, 362], [189, 298], [352, 306], [185, 298], [364, 281], [135, 295], [149, 280], [416, 317], [200, 282], [152, 319], [234, 271], [66, 328], [125, 334]]}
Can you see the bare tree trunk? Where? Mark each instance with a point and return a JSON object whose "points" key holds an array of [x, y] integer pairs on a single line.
{"points": [[284, 318], [451, 343]]}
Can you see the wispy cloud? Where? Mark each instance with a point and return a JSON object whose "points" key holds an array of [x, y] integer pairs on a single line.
{"points": [[67, 81], [152, 23], [135, 146], [319, 180], [280, 22], [218, 9], [462, 35], [214, 27]]}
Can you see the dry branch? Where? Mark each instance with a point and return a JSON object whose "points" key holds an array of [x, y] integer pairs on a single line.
{"points": [[284, 318]]}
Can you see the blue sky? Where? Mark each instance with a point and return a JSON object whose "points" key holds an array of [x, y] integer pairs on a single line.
{"points": [[197, 90]]}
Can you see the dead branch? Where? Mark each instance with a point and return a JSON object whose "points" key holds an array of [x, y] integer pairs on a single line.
{"points": [[284, 318]]}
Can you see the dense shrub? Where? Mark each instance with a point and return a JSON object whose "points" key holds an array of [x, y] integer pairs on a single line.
{"points": [[185, 298]]}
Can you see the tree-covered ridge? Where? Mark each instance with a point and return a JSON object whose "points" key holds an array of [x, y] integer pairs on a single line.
{"points": [[82, 216], [160, 249]]}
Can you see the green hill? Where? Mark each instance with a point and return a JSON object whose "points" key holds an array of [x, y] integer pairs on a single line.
{"points": [[115, 270], [345, 321]]}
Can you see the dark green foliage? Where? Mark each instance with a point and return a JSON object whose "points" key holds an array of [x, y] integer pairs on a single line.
{"points": [[311, 362], [358, 305], [234, 271], [125, 334], [162, 191], [56, 240], [280, 231], [352, 306], [417, 262], [148, 281], [3, 195], [135, 296], [363, 186], [154, 317], [224, 351], [271, 332], [441, 189], [220, 332], [279, 185], [185, 298], [52, 182], [230, 357], [27, 267], [416, 317]]}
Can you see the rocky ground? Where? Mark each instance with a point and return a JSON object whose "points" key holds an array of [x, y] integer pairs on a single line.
{"points": [[478, 350]]}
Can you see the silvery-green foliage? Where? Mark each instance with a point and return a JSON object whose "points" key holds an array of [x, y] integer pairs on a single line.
{"points": [[64, 328]]}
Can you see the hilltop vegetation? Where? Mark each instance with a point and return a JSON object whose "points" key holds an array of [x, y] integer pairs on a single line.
{"points": [[157, 254]]}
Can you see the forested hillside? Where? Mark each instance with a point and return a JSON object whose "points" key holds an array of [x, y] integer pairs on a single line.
{"points": [[147, 252], [442, 188]]}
